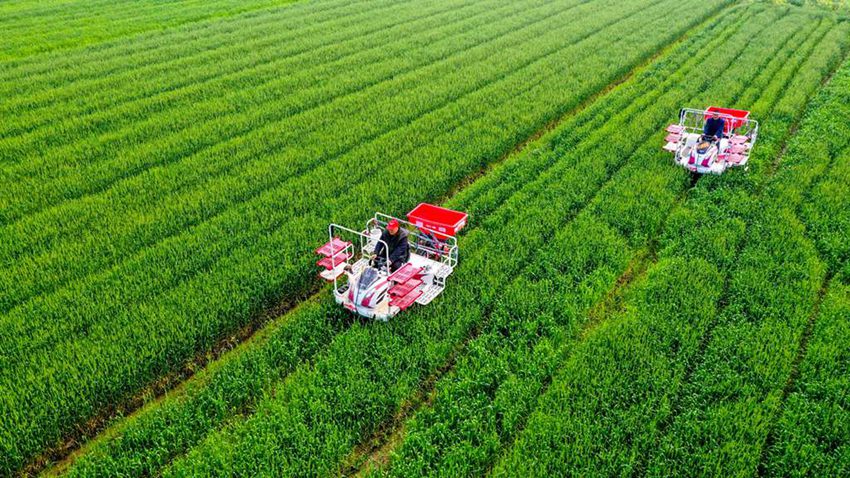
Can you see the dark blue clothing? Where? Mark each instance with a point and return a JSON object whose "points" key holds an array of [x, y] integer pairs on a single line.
{"points": [[399, 249], [714, 127]]}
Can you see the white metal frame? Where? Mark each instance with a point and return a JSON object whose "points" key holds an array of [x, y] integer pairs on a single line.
{"points": [[694, 120], [448, 258], [365, 239], [368, 239]]}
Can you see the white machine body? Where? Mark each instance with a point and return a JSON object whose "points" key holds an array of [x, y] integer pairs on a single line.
{"points": [[702, 154], [374, 291]]}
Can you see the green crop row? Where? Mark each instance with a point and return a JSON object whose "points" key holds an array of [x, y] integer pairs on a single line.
{"points": [[207, 184], [36, 28], [484, 402], [772, 294], [263, 46], [282, 429], [578, 186], [165, 305], [611, 403], [50, 79], [60, 69], [100, 110], [813, 433]]}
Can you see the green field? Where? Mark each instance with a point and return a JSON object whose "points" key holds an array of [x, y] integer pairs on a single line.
{"points": [[169, 166]]}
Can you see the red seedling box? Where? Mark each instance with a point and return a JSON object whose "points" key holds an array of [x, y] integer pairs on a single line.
{"points": [[436, 218]]}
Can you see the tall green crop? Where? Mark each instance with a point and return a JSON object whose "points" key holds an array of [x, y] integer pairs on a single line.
{"points": [[160, 191], [164, 279]]}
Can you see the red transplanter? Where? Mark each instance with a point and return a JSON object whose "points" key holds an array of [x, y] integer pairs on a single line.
{"points": [[360, 263], [711, 140]]}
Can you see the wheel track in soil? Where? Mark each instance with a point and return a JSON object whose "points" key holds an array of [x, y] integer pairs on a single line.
{"points": [[377, 448], [67, 451], [724, 299], [274, 187]]}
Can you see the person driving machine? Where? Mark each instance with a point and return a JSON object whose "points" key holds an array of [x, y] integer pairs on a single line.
{"points": [[397, 245], [714, 126]]}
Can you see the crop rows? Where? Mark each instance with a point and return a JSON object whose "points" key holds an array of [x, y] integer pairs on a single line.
{"points": [[232, 214], [519, 204], [356, 382], [36, 80], [619, 403], [236, 83], [91, 108], [609, 316], [484, 404], [772, 294], [205, 185], [35, 27], [811, 434], [163, 304], [158, 419], [107, 104]]}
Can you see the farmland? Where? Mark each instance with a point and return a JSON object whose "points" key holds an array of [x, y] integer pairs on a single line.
{"points": [[166, 178]]}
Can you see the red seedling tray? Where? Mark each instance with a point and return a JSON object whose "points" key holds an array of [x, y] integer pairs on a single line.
{"points": [[332, 247]]}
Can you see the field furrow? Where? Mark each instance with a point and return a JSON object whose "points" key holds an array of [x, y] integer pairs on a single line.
{"points": [[167, 168], [36, 28], [254, 262], [474, 417], [608, 407]]}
